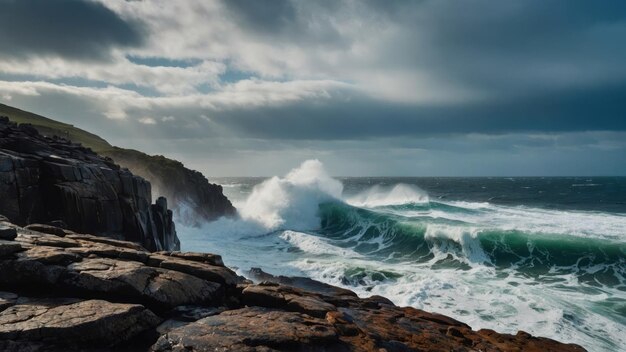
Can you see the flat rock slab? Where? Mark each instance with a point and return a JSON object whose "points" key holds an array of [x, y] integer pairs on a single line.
{"points": [[205, 271], [272, 295], [252, 329], [207, 258], [72, 321], [154, 286]]}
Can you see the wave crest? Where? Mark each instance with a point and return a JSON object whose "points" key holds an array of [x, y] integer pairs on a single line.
{"points": [[379, 196]]}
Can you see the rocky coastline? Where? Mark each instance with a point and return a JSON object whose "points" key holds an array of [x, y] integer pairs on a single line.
{"points": [[87, 263], [192, 198], [44, 179], [65, 291]]}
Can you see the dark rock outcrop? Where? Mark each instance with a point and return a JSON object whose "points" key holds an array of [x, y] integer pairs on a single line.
{"points": [[195, 199], [192, 197], [63, 291], [46, 179]]}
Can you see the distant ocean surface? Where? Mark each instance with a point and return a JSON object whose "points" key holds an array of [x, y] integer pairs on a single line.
{"points": [[544, 255]]}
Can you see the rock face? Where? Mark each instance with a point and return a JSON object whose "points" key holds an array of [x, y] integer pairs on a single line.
{"points": [[191, 196], [64, 291], [194, 198], [51, 179]]}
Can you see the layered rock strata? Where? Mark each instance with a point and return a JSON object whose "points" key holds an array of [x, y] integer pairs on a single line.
{"points": [[52, 179], [65, 291]]}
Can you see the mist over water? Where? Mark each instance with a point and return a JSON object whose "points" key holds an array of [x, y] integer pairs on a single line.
{"points": [[547, 256]]}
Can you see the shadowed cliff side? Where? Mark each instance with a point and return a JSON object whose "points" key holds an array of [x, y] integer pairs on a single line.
{"points": [[191, 197], [46, 179], [196, 199]]}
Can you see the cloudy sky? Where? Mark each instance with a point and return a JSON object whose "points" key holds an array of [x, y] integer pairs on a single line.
{"points": [[234, 87]]}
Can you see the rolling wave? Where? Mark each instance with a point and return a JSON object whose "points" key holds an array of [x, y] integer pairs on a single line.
{"points": [[444, 242], [555, 272]]}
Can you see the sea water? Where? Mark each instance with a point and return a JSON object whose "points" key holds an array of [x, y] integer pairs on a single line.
{"points": [[543, 255]]}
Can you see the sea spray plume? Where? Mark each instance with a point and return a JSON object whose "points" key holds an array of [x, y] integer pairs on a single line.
{"points": [[292, 201]]}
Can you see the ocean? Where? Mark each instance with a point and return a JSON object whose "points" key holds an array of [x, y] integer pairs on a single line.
{"points": [[546, 255]]}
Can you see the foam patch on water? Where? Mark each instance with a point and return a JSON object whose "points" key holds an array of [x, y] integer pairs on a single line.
{"points": [[316, 245], [534, 220], [378, 196], [483, 299]]}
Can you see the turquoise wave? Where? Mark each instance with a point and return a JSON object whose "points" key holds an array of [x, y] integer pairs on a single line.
{"points": [[388, 235]]}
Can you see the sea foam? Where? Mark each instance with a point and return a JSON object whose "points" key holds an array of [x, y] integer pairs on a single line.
{"points": [[489, 265]]}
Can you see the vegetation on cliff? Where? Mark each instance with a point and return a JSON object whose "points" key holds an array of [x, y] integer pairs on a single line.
{"points": [[192, 197]]}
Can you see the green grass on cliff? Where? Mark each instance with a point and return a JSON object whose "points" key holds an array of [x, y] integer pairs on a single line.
{"points": [[50, 127], [126, 157]]}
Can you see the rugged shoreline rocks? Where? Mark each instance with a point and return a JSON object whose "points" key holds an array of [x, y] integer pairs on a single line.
{"points": [[87, 263], [46, 179], [65, 291]]}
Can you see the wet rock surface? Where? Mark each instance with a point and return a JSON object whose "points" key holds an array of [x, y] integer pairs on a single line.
{"points": [[64, 291], [52, 180]]}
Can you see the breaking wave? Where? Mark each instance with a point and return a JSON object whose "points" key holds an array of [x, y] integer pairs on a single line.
{"points": [[551, 272]]}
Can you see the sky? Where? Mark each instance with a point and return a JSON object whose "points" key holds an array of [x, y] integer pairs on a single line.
{"points": [[370, 88]]}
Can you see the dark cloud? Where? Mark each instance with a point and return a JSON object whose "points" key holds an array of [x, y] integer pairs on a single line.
{"points": [[264, 15], [286, 21], [67, 28], [511, 46], [599, 109], [554, 66]]}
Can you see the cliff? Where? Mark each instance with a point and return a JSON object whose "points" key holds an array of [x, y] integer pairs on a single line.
{"points": [[192, 197], [63, 291], [46, 179], [197, 200]]}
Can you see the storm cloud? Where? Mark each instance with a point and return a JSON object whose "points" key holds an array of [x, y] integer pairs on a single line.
{"points": [[72, 29], [287, 79]]}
